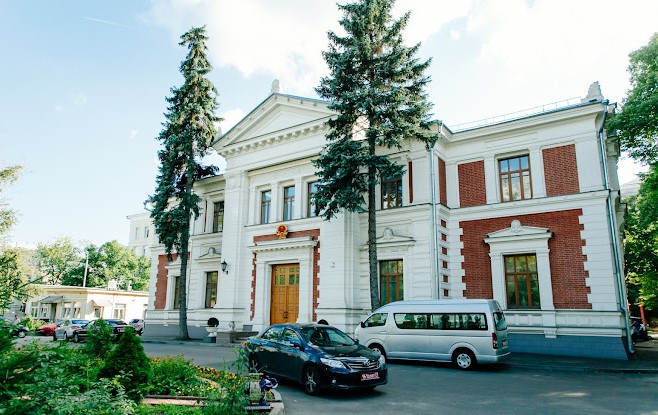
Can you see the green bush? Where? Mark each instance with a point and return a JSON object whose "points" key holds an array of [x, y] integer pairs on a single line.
{"points": [[129, 363], [99, 339], [176, 376]]}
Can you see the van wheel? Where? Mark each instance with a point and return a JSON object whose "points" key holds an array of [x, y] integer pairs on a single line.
{"points": [[464, 359], [378, 348]]}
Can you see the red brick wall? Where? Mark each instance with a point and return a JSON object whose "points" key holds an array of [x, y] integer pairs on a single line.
{"points": [[472, 190], [566, 258], [161, 282], [443, 192], [315, 233], [561, 170]]}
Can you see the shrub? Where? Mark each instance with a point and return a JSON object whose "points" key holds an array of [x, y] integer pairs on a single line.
{"points": [[99, 339], [167, 410], [177, 376], [129, 363]]}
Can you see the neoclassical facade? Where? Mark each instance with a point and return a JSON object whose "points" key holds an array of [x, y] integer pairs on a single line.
{"points": [[525, 211]]}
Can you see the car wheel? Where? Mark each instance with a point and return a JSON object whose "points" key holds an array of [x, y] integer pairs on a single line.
{"points": [[66, 336], [311, 380], [464, 359], [21, 334], [54, 337], [378, 348], [76, 338]]}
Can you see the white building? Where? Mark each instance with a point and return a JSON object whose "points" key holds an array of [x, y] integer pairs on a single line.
{"points": [[56, 302], [524, 210], [141, 235]]}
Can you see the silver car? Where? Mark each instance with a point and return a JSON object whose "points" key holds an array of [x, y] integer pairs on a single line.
{"points": [[65, 330]]}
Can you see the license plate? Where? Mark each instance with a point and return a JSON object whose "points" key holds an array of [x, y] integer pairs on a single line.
{"points": [[120, 330], [369, 376]]}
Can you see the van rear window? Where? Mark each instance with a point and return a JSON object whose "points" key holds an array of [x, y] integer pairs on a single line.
{"points": [[441, 321], [499, 320]]}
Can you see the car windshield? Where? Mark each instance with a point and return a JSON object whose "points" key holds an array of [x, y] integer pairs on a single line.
{"points": [[326, 336]]}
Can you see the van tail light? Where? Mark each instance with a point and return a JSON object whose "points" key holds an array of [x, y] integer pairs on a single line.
{"points": [[494, 341]]}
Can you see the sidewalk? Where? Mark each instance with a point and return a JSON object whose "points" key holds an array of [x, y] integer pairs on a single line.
{"points": [[646, 361]]}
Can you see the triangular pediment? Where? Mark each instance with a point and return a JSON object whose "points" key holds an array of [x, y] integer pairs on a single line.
{"points": [[517, 230], [278, 115]]}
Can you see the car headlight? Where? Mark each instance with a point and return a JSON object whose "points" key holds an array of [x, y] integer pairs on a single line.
{"points": [[381, 361], [333, 363]]}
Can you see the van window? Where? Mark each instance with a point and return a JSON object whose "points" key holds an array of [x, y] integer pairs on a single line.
{"points": [[411, 321], [376, 320], [499, 320], [458, 321]]}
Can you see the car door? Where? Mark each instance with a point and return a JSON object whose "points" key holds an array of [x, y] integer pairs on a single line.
{"points": [[267, 349], [291, 358]]}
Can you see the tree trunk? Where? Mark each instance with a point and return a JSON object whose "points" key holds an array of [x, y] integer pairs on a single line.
{"points": [[372, 232], [182, 285]]}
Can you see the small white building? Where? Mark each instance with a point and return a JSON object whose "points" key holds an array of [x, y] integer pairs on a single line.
{"points": [[56, 302], [524, 209]]}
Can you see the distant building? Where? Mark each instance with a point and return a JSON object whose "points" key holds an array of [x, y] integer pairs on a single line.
{"points": [[142, 234], [523, 209], [630, 188], [55, 302]]}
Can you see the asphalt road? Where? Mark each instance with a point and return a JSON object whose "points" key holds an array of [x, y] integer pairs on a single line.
{"points": [[419, 388]]}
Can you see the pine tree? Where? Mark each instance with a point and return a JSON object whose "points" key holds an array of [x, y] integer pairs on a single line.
{"points": [[376, 86], [188, 131]]}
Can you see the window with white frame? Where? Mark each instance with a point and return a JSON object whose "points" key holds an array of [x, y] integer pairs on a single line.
{"points": [[520, 267], [288, 202], [67, 310], [146, 232], [514, 175], [311, 207], [119, 311], [34, 310], [265, 205]]}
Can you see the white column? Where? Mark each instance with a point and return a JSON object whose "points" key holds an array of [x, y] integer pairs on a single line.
{"points": [[491, 179], [537, 173]]}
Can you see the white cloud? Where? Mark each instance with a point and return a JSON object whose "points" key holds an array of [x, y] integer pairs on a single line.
{"points": [[80, 99], [133, 133], [230, 118]]}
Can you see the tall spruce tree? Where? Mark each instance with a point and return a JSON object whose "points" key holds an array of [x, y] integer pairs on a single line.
{"points": [[377, 88], [188, 131]]}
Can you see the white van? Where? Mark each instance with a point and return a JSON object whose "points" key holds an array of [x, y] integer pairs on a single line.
{"points": [[466, 332]]}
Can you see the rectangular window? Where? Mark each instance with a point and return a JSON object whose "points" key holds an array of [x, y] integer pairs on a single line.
{"points": [[176, 304], [265, 202], [218, 217], [311, 209], [515, 178], [98, 312], [391, 192], [137, 232], [76, 310], [34, 310], [119, 311], [146, 232], [522, 282], [67, 310], [288, 202], [391, 287], [211, 288]]}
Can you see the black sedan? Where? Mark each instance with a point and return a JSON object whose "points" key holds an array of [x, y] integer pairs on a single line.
{"points": [[317, 356], [118, 328]]}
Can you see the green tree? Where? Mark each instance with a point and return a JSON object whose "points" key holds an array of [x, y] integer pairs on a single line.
{"points": [[188, 131], [57, 260], [8, 176], [641, 243], [637, 123], [110, 261], [377, 87], [14, 266], [129, 362]]}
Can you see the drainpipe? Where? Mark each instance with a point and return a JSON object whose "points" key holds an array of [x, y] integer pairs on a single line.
{"points": [[435, 227], [612, 225]]}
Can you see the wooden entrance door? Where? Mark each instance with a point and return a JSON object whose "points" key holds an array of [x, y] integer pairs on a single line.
{"points": [[285, 293]]}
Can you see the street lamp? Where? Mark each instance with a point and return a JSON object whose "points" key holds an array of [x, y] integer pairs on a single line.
{"points": [[224, 266]]}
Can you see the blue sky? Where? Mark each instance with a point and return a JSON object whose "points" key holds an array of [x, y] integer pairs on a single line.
{"points": [[83, 83]]}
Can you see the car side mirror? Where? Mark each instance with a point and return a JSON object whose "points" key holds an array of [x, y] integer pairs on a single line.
{"points": [[363, 324]]}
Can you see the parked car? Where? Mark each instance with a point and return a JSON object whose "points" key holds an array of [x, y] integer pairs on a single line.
{"points": [[68, 326], [14, 330], [118, 328], [138, 325], [317, 356], [49, 329]]}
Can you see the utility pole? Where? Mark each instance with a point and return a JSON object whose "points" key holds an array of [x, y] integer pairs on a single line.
{"points": [[84, 278]]}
